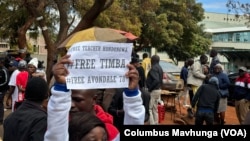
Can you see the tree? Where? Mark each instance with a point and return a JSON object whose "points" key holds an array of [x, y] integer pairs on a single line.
{"points": [[239, 8], [167, 25], [174, 28], [14, 23], [38, 13]]}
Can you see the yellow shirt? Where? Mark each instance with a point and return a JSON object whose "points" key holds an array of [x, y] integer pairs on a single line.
{"points": [[146, 64]]}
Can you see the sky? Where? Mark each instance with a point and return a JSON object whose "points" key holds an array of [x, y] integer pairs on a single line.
{"points": [[217, 6]]}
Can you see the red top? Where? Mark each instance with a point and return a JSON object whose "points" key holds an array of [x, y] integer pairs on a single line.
{"points": [[108, 121], [22, 79]]}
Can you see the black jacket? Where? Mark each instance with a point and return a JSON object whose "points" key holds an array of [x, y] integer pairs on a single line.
{"points": [[117, 105], [4, 79], [27, 123], [207, 97], [142, 77], [154, 78]]}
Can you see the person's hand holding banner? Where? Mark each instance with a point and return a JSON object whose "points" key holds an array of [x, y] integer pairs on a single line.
{"points": [[133, 76], [59, 70], [95, 64]]}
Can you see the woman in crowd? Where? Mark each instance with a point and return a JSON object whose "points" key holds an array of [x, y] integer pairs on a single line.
{"points": [[84, 126]]}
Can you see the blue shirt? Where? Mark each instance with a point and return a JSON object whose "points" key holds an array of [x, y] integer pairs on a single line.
{"points": [[184, 74]]}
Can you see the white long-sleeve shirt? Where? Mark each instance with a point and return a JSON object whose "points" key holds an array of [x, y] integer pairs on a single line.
{"points": [[134, 111], [60, 103], [58, 116]]}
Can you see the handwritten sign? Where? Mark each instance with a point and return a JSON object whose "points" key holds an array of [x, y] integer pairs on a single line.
{"points": [[98, 64]]}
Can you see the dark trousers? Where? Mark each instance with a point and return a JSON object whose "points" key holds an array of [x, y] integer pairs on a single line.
{"points": [[190, 92], [202, 116], [191, 95], [1, 106]]}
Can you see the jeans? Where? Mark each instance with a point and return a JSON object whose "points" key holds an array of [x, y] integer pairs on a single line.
{"points": [[202, 116]]}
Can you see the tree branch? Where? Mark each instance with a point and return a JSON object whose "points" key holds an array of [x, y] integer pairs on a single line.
{"points": [[89, 17]]}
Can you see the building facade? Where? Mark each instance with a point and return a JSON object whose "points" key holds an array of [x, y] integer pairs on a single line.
{"points": [[4, 46], [230, 37]]}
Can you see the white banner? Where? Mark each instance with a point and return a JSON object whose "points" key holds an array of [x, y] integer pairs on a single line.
{"points": [[98, 64]]}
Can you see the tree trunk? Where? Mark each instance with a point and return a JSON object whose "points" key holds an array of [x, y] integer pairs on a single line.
{"points": [[36, 9], [22, 41]]}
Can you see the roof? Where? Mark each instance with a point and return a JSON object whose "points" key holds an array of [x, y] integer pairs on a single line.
{"points": [[216, 24], [222, 23], [234, 54], [232, 29]]}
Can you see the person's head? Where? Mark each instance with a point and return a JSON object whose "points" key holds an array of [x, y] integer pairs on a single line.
{"points": [[190, 61], [83, 100], [218, 68], [203, 59], [135, 61], [214, 81], [186, 63], [99, 96], [205, 68], [22, 53], [144, 55], [213, 53], [84, 126], [32, 65], [22, 65], [13, 65], [242, 71], [36, 90], [155, 59]]}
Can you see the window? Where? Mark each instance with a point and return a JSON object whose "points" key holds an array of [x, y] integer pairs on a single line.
{"points": [[2, 45], [237, 37]]}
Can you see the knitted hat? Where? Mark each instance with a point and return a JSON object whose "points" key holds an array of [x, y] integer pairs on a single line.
{"points": [[36, 89], [214, 80], [219, 65], [34, 62]]}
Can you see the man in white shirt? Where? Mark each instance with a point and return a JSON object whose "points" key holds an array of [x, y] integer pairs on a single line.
{"points": [[13, 89]]}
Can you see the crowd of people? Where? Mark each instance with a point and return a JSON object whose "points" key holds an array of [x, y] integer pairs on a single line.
{"points": [[67, 111], [44, 113], [208, 87]]}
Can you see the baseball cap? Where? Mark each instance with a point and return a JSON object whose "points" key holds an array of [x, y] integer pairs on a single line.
{"points": [[243, 68], [13, 63]]}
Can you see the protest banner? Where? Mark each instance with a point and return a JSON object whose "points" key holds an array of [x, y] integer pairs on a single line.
{"points": [[98, 64]]}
